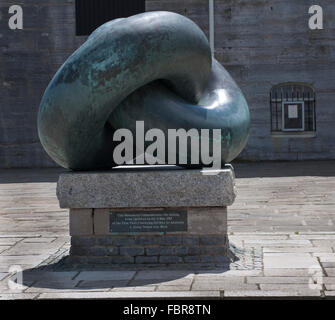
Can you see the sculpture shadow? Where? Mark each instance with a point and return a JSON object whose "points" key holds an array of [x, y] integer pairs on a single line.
{"points": [[272, 169], [64, 276], [263, 169], [26, 175]]}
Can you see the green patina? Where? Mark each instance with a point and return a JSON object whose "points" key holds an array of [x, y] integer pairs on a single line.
{"points": [[155, 67]]}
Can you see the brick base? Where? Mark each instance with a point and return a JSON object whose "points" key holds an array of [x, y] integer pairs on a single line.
{"points": [[149, 249], [198, 235]]}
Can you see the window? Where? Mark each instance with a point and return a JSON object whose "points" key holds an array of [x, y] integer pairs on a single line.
{"points": [[90, 14], [293, 109]]}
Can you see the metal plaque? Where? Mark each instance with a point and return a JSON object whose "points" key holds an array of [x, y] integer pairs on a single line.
{"points": [[148, 221]]}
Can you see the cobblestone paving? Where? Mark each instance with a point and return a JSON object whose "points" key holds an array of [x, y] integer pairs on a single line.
{"points": [[281, 231]]}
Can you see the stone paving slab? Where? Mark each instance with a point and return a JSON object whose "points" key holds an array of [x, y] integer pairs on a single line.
{"points": [[281, 231], [136, 289], [9, 241], [330, 272], [18, 296], [295, 272], [330, 287], [4, 248], [38, 240], [108, 284], [53, 286], [49, 276], [316, 251], [291, 287], [271, 294], [105, 275], [207, 274], [3, 275], [162, 275], [6, 288], [22, 259], [290, 260], [133, 295], [221, 286], [328, 265], [278, 243], [279, 280], [61, 288], [176, 288]]}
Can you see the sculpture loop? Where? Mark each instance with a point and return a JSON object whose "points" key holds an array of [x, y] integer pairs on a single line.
{"points": [[156, 67]]}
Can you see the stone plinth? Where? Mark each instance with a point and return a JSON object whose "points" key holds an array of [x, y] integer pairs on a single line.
{"points": [[146, 215]]}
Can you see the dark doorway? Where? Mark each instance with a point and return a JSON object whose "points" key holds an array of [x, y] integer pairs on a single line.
{"points": [[90, 14]]}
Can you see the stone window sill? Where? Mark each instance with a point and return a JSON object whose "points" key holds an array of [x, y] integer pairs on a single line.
{"points": [[292, 134]]}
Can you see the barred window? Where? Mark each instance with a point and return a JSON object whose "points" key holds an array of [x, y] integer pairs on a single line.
{"points": [[90, 14], [293, 108]]}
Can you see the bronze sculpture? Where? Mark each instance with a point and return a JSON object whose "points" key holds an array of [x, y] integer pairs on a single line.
{"points": [[156, 67]]}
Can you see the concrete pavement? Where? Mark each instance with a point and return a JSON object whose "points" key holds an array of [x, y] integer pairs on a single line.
{"points": [[281, 230]]}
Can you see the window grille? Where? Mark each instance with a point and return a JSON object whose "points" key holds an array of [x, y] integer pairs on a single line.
{"points": [[292, 108]]}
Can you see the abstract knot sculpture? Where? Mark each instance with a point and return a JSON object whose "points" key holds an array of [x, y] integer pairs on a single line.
{"points": [[154, 67]]}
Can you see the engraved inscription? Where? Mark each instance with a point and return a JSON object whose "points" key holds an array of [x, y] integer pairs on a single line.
{"points": [[146, 221]]}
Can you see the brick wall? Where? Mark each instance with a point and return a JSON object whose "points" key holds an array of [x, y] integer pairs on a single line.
{"points": [[261, 43], [150, 249]]}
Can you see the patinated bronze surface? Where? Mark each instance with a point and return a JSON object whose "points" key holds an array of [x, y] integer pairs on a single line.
{"points": [[156, 67]]}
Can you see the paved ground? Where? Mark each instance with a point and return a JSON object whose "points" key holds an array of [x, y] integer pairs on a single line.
{"points": [[281, 229]]}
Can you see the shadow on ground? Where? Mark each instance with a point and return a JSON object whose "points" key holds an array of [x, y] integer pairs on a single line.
{"points": [[270, 169], [64, 276], [262, 169], [30, 175]]}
